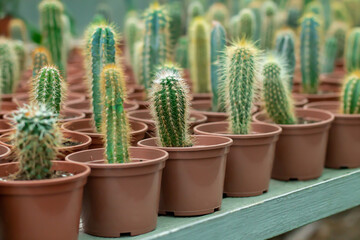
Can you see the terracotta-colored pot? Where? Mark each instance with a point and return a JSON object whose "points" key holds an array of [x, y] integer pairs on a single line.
{"points": [[332, 82], [7, 97], [144, 116], [5, 126], [298, 100], [329, 96], [66, 116], [86, 127], [250, 160], [202, 96], [343, 149], [138, 93], [193, 179], [35, 209], [71, 97], [300, 151], [6, 108], [121, 198], [77, 77], [4, 154]]}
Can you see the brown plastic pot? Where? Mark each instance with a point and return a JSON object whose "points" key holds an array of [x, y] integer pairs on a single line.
{"points": [[299, 101], [193, 179], [250, 160], [301, 149], [121, 198], [71, 97], [201, 96], [86, 127], [4, 154], [332, 82], [42, 209], [343, 149], [329, 96]]}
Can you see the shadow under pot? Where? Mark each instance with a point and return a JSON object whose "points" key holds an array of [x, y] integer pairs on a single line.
{"points": [[121, 199], [250, 160], [193, 179], [42, 209], [301, 148], [86, 126], [343, 149]]}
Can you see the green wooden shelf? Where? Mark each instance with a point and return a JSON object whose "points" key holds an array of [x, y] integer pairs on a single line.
{"points": [[287, 205]]}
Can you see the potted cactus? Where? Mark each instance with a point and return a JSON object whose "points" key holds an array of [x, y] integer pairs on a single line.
{"points": [[119, 173], [192, 159], [251, 156], [37, 193], [344, 136], [300, 151]]}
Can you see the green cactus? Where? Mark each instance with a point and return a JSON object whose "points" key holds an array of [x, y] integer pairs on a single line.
{"points": [[340, 13], [353, 7], [276, 94], [9, 67], [329, 55], [351, 94], [40, 59], [220, 13], [309, 54], [339, 31], [199, 55], [36, 142], [105, 10], [98, 19], [316, 9], [181, 54], [285, 47], [240, 69], [294, 15], [257, 32], [234, 27], [327, 13], [17, 29], [247, 24], [115, 126], [170, 109], [218, 44], [101, 50], [175, 25], [156, 42], [67, 36], [352, 51], [49, 89], [132, 34], [268, 27], [19, 48], [137, 58], [195, 9]]}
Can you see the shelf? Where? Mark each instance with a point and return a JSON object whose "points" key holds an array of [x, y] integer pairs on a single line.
{"points": [[287, 205]]}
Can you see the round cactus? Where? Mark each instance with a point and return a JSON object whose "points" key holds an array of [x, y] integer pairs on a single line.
{"points": [[352, 51], [268, 27], [247, 24], [9, 67], [329, 56], [40, 59], [351, 94]]}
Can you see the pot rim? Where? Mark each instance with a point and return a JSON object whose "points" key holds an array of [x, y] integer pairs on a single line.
{"points": [[7, 153], [331, 103]]}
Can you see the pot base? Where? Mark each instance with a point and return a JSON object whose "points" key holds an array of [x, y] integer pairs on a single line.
{"points": [[121, 234], [189, 213], [296, 178]]}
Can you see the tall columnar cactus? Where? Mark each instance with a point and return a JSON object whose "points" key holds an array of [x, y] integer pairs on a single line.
{"points": [[101, 50], [247, 24], [195, 9], [181, 54], [339, 31], [285, 47], [133, 33], [199, 55], [220, 13], [329, 55], [36, 142], [115, 126], [234, 27], [49, 89], [276, 94], [352, 50], [9, 67], [175, 25], [19, 48], [268, 27], [258, 25], [53, 32], [40, 58], [218, 44], [17, 30], [170, 109], [351, 94], [156, 42], [240, 69], [309, 53]]}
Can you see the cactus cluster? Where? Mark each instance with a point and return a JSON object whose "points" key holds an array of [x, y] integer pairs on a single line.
{"points": [[351, 94], [352, 51], [17, 30], [40, 58], [329, 55], [268, 27], [9, 67]]}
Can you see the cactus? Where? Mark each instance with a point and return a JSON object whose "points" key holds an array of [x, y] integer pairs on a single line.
{"points": [[20, 51], [170, 109], [247, 24], [268, 26], [329, 56], [49, 89], [132, 34], [115, 126], [41, 58], [199, 55], [351, 94], [195, 9], [316, 9], [104, 10], [285, 47], [339, 31], [66, 35], [181, 54], [327, 14], [352, 51], [240, 70], [218, 12], [101, 50], [53, 32], [156, 42], [17, 29], [137, 58], [340, 13], [218, 44], [309, 53], [175, 25], [294, 15], [276, 94], [36, 142], [234, 27], [9, 67]]}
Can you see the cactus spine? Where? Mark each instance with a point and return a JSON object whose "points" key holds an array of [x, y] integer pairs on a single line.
{"points": [[352, 51], [329, 56], [240, 72], [269, 11], [170, 109], [247, 24], [52, 32], [199, 55], [9, 67], [278, 102], [41, 58], [309, 53], [181, 55], [115, 126], [218, 12], [17, 30], [351, 94], [36, 142], [218, 44]]}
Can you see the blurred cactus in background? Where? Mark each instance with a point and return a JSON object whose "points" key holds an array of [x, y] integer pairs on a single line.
{"points": [[294, 15], [195, 9], [17, 30], [9, 67], [247, 24], [40, 59], [352, 51], [351, 94], [133, 32], [329, 55], [220, 13], [20, 50], [181, 54], [339, 31], [268, 27], [175, 25]]}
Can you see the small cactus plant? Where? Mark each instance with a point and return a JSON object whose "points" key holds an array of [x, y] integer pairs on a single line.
{"points": [[276, 94], [9, 67], [247, 24], [240, 69], [40, 58], [309, 54], [115, 126], [49, 89], [17, 30], [199, 55], [329, 56], [181, 54], [351, 94], [170, 109], [269, 11], [352, 52], [218, 12], [36, 142]]}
